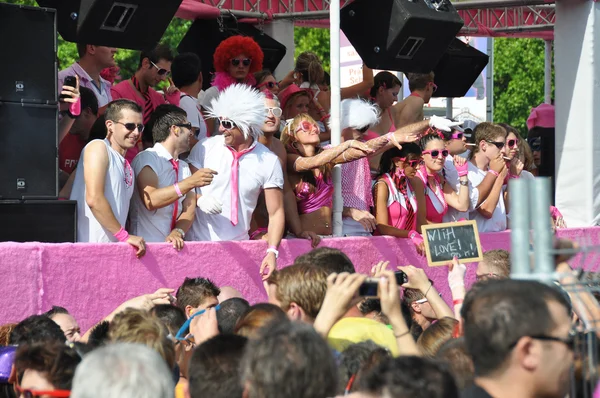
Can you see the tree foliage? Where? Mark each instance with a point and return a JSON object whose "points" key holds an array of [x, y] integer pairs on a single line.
{"points": [[315, 40]]}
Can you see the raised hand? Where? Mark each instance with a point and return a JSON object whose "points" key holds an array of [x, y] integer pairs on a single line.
{"points": [[202, 177]]}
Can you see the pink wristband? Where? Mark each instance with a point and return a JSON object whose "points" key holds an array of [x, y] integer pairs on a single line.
{"points": [[75, 108], [513, 176], [177, 190], [415, 237], [272, 247], [494, 172], [122, 235]]}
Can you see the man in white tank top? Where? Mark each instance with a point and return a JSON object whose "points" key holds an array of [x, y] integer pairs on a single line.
{"points": [[104, 181], [164, 200]]}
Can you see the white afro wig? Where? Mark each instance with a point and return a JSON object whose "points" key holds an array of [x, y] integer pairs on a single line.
{"points": [[243, 105], [357, 114]]}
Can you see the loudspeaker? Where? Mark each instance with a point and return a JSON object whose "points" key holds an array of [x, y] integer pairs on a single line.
{"points": [[132, 24], [28, 72], [400, 35], [458, 69], [28, 151], [204, 36], [51, 221]]}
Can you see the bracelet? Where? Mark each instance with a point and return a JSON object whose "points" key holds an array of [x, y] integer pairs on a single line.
{"points": [[180, 232], [273, 249], [325, 117], [122, 235], [457, 301], [494, 172], [177, 190], [464, 183], [401, 335]]}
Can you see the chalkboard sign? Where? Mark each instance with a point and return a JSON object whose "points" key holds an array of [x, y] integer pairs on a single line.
{"points": [[444, 241]]}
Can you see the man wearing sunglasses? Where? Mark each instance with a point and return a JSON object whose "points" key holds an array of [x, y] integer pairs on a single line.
{"points": [[518, 334], [104, 179], [260, 216], [164, 200], [244, 168], [410, 110]]}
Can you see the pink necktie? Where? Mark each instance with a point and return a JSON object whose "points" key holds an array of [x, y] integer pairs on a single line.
{"points": [[234, 181], [176, 207]]}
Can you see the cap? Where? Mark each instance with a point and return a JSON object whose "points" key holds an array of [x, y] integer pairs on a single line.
{"points": [[542, 116], [285, 94]]}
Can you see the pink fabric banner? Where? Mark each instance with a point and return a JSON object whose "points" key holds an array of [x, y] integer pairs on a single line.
{"points": [[90, 280]]}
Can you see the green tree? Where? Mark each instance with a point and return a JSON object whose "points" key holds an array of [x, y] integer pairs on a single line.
{"points": [[315, 40], [518, 80]]}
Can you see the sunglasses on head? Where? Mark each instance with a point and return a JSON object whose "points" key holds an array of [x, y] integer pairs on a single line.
{"points": [[28, 393], [185, 125], [498, 145], [131, 126], [512, 143], [270, 85], [412, 163], [276, 111], [305, 126], [244, 61], [436, 153], [161, 71], [457, 136], [227, 124]]}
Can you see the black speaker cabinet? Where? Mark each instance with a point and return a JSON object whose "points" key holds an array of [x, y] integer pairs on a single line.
{"points": [[51, 221], [28, 151], [400, 35], [458, 69], [133, 24], [28, 72], [204, 36]]}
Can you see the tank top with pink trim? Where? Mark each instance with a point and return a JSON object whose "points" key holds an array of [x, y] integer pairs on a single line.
{"points": [[396, 205], [435, 202]]}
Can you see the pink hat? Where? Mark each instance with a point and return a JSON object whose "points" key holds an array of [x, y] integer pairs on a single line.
{"points": [[285, 94], [542, 116]]}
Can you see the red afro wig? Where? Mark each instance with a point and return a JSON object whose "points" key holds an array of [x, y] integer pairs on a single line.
{"points": [[233, 47]]}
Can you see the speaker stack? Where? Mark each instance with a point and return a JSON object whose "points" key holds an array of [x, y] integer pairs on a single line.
{"points": [[417, 36]]}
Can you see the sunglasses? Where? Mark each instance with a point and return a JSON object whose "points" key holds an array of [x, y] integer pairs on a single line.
{"points": [[498, 145], [161, 71], [363, 130], [270, 85], [535, 144], [131, 126], [27, 393], [436, 153], [185, 125], [412, 163], [512, 143], [457, 136], [245, 61], [276, 111], [569, 341], [306, 126], [227, 124], [435, 87], [181, 332], [424, 300]]}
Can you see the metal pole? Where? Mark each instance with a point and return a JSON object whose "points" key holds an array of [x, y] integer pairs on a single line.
{"points": [[336, 95], [539, 201], [548, 72], [519, 224], [449, 109]]}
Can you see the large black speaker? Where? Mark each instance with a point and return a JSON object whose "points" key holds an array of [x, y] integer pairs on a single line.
{"points": [[133, 24], [28, 71], [204, 36], [28, 151], [52, 221], [458, 69], [400, 35]]}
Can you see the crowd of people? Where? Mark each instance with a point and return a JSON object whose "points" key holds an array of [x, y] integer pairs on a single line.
{"points": [[249, 158], [320, 334]]}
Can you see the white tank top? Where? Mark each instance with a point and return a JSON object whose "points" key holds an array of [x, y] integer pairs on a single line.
{"points": [[118, 188]]}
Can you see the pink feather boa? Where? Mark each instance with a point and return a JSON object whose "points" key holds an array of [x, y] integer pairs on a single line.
{"points": [[223, 80]]}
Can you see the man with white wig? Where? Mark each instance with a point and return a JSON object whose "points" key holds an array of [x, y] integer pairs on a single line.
{"points": [[244, 169]]}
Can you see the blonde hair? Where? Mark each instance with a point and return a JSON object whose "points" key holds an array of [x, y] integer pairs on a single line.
{"points": [[138, 326], [302, 284], [309, 65], [432, 338], [499, 261]]}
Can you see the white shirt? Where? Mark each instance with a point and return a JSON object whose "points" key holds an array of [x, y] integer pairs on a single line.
{"points": [[155, 226], [102, 93], [258, 169], [452, 177], [498, 221], [118, 188], [191, 107]]}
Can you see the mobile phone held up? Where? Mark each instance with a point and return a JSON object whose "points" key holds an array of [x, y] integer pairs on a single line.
{"points": [[70, 81], [370, 286]]}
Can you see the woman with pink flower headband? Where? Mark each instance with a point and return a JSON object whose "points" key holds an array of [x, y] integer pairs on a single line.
{"points": [[439, 194]]}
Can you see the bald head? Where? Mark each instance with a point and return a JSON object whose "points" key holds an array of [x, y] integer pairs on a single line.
{"points": [[228, 292]]}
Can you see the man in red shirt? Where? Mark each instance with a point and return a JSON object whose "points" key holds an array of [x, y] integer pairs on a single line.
{"points": [[72, 143]]}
